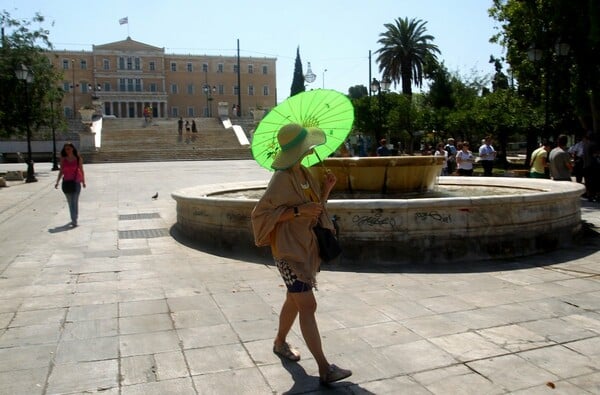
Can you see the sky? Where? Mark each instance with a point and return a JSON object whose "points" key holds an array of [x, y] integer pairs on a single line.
{"points": [[335, 36]]}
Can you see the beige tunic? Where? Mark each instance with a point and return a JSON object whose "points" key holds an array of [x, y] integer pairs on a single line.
{"points": [[292, 241]]}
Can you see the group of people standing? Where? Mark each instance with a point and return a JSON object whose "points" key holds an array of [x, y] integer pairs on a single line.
{"points": [[190, 129], [459, 159], [561, 163]]}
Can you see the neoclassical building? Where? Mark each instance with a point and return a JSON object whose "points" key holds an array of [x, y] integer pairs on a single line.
{"points": [[128, 76]]}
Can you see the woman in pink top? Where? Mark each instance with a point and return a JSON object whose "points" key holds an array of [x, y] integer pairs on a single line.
{"points": [[71, 171]]}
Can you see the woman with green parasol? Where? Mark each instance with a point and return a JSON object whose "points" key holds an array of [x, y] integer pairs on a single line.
{"points": [[283, 219]]}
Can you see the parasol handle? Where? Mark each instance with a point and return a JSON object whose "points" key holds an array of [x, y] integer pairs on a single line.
{"points": [[321, 162]]}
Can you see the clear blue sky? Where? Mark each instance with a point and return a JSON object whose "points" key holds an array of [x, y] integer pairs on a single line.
{"points": [[335, 35]]}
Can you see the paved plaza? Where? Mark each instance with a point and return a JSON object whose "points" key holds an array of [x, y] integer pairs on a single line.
{"points": [[123, 305]]}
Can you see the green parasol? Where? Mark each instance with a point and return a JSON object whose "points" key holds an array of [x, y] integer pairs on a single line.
{"points": [[325, 109]]}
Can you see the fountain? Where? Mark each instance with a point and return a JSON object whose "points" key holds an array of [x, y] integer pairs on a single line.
{"points": [[392, 210]]}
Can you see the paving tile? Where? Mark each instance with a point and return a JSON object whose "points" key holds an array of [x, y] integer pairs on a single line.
{"points": [[143, 307], [558, 387], [385, 334], [590, 346], [32, 334], [457, 379], [92, 312], [198, 318], [38, 317], [87, 350], [434, 325], [563, 362], [80, 330], [512, 372], [26, 357], [205, 336], [217, 359], [587, 382], [467, 346], [240, 382], [23, 382], [145, 323], [417, 356], [181, 386], [138, 369], [84, 376], [391, 386], [514, 337], [148, 343]]}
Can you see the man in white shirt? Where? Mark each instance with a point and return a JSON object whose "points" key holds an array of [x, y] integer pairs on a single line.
{"points": [[487, 154]]}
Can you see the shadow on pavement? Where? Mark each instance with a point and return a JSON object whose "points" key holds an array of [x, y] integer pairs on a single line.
{"points": [[585, 243], [62, 228]]}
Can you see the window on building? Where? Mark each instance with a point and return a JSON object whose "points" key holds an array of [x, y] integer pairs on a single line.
{"points": [[138, 84], [84, 87], [66, 86], [174, 111], [129, 84], [235, 68], [138, 64], [173, 66], [190, 68], [152, 87], [265, 90], [221, 89], [83, 64], [250, 69], [66, 64], [106, 64], [235, 90], [190, 111], [152, 65], [205, 67], [122, 85], [121, 63], [129, 63], [250, 90], [265, 69], [220, 68], [106, 87], [190, 89], [173, 88]]}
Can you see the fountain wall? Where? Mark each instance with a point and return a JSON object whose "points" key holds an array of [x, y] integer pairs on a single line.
{"points": [[519, 217]]}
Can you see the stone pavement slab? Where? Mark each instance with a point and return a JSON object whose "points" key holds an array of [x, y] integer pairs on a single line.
{"points": [[124, 305]]}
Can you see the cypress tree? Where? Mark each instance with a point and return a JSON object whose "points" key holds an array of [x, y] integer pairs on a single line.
{"points": [[298, 81]]}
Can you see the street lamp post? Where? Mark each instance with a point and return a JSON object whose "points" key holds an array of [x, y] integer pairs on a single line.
{"points": [[534, 54], [208, 91], [53, 125], [379, 88], [24, 74]]}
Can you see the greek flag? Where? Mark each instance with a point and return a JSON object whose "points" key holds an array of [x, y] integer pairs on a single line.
{"points": [[123, 21]]}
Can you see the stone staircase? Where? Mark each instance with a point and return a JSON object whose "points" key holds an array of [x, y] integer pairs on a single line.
{"points": [[130, 140]]}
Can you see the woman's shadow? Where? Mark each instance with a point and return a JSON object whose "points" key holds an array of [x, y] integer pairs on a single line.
{"points": [[61, 228], [303, 383]]}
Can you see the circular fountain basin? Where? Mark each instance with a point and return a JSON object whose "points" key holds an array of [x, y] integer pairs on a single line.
{"points": [[493, 217]]}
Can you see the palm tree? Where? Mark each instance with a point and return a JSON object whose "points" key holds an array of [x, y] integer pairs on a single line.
{"points": [[406, 49]]}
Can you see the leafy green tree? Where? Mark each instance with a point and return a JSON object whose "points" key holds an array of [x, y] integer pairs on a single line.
{"points": [[553, 49], [298, 80], [357, 91], [25, 45], [405, 51]]}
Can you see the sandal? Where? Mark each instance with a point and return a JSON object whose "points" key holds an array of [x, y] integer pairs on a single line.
{"points": [[334, 374], [286, 351]]}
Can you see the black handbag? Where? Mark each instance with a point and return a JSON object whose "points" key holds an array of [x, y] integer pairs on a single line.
{"points": [[69, 186], [329, 247]]}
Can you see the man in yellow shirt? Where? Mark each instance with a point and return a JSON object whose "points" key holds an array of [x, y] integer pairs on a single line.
{"points": [[539, 161]]}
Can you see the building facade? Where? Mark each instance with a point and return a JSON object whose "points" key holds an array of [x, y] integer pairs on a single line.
{"points": [[126, 77]]}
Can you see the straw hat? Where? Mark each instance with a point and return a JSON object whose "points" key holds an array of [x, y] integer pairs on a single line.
{"points": [[295, 141]]}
